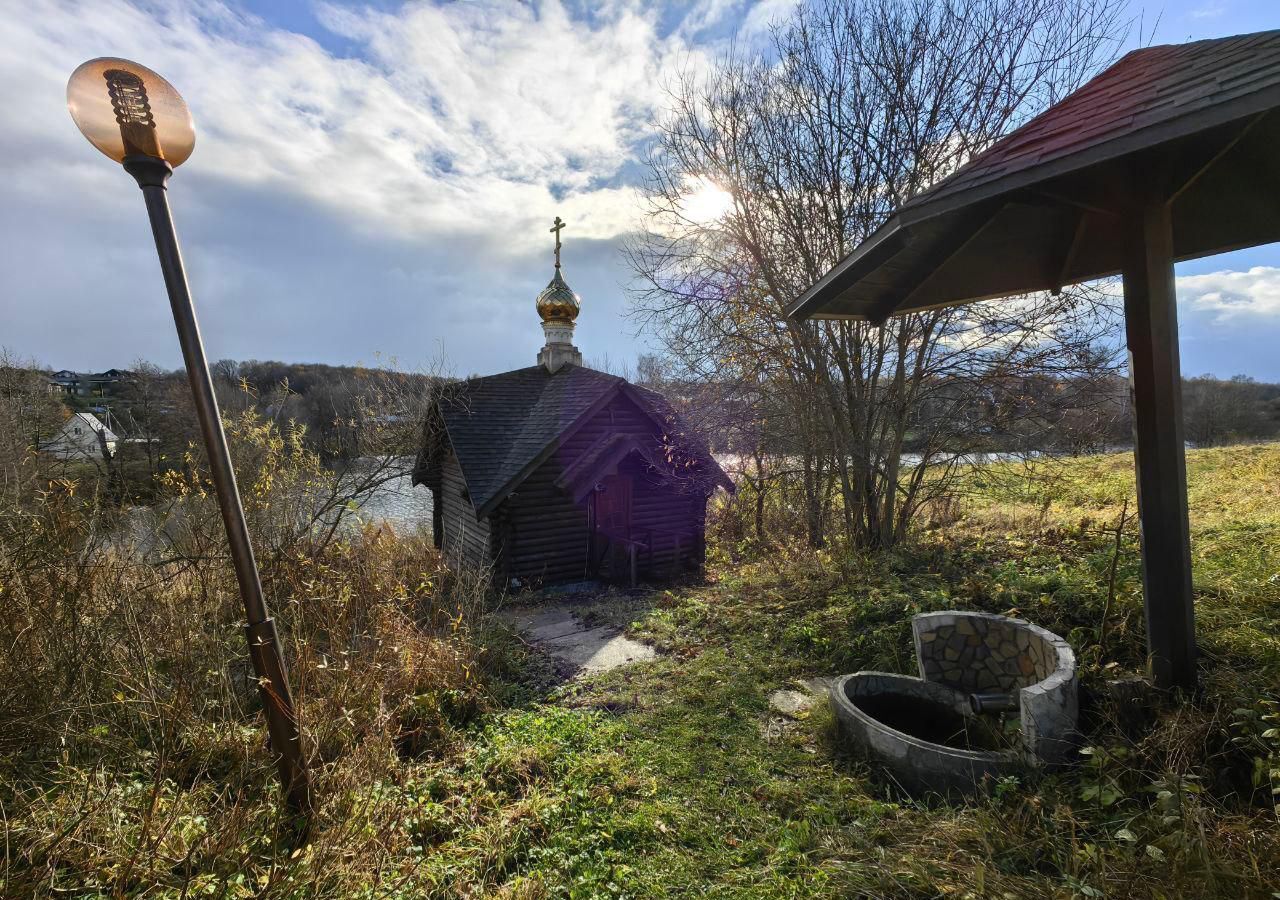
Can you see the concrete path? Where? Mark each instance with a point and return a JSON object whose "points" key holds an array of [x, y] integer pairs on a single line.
{"points": [[555, 629]]}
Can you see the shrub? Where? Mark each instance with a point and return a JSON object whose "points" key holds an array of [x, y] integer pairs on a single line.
{"points": [[129, 717]]}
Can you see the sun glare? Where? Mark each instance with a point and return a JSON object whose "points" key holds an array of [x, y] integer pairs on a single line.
{"points": [[704, 201]]}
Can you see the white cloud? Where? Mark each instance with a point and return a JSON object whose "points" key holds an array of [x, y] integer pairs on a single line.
{"points": [[1211, 10], [767, 13], [391, 194], [1233, 295], [386, 198], [463, 117]]}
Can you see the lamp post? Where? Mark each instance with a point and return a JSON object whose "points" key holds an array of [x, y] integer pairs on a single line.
{"points": [[137, 119]]}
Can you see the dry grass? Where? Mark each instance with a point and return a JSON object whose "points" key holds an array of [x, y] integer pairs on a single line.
{"points": [[133, 758], [133, 764]]}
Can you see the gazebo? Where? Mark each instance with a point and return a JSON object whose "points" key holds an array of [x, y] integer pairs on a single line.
{"points": [[1168, 155]]}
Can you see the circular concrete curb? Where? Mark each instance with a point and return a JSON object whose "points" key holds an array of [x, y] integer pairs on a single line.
{"points": [[917, 764]]}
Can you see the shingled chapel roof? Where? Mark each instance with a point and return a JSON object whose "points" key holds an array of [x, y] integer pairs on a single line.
{"points": [[501, 427]]}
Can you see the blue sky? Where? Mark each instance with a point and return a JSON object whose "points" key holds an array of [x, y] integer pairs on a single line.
{"points": [[375, 181]]}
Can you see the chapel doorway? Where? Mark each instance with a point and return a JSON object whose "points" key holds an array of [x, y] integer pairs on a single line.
{"points": [[613, 548]]}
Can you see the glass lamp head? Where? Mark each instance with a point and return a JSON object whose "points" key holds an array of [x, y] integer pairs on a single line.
{"points": [[125, 109]]}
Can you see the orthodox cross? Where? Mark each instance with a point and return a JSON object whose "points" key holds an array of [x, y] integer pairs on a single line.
{"points": [[556, 228]]}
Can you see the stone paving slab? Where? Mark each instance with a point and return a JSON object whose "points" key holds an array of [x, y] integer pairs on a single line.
{"points": [[795, 702], [819, 686], [790, 703], [557, 630], [789, 706]]}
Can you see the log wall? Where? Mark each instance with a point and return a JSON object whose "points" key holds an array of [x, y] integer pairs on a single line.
{"points": [[544, 534], [463, 538]]}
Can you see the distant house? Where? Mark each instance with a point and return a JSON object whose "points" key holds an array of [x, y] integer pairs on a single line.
{"points": [[559, 473], [83, 436], [63, 382], [98, 384]]}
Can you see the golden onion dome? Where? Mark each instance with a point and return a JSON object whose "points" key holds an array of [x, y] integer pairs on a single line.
{"points": [[558, 302]]}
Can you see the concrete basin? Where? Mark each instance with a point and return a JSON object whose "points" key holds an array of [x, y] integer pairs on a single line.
{"points": [[944, 731], [925, 733]]}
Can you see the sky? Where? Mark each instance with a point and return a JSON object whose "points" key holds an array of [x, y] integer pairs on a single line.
{"points": [[374, 183]]}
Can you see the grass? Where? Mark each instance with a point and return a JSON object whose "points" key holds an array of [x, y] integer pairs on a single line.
{"points": [[673, 778]]}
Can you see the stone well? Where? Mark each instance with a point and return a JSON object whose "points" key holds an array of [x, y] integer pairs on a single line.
{"points": [[991, 656], [932, 732]]}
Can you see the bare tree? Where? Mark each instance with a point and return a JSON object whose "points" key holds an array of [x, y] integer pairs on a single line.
{"points": [[853, 108], [29, 416], [142, 409], [1223, 411]]}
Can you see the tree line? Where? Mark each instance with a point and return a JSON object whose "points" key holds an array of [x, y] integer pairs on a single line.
{"points": [[848, 109], [343, 414]]}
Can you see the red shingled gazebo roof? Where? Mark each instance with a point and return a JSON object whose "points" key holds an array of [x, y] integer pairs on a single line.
{"points": [[1037, 209]]}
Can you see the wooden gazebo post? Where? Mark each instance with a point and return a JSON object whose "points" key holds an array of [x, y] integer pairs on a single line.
{"points": [[1155, 378]]}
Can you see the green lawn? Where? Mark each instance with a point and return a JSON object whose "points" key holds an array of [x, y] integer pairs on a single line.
{"points": [[672, 778], [660, 780]]}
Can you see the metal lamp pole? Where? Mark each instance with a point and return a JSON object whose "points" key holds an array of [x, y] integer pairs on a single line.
{"points": [[143, 129], [152, 176]]}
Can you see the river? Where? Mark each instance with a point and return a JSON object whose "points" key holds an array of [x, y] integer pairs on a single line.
{"points": [[397, 503]]}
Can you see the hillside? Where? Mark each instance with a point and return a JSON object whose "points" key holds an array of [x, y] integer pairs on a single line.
{"points": [[674, 776]]}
